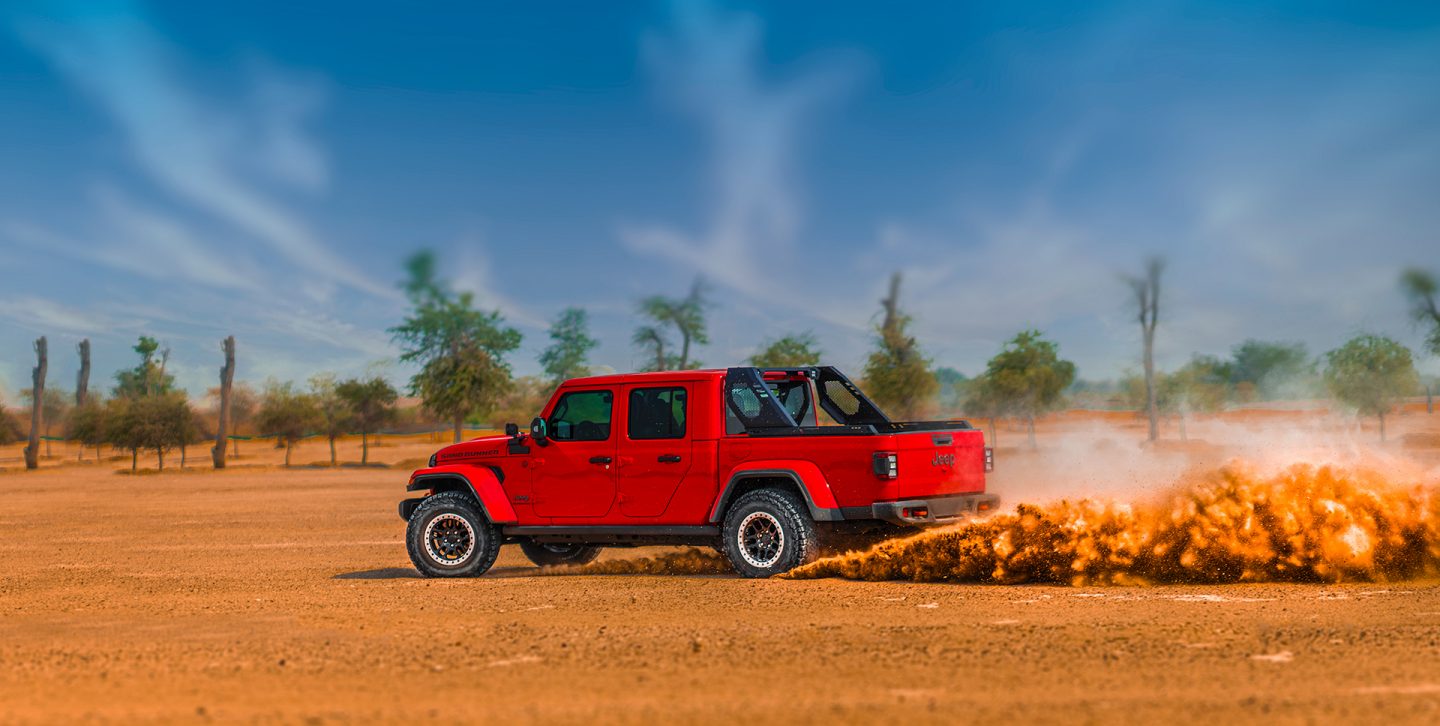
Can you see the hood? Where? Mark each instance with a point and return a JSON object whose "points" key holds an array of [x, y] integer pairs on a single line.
{"points": [[485, 447]]}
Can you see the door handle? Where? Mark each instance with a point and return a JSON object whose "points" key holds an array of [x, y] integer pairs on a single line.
{"points": [[599, 460], [668, 458]]}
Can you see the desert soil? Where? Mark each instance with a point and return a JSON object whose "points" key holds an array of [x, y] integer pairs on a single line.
{"points": [[270, 595], [264, 594]]}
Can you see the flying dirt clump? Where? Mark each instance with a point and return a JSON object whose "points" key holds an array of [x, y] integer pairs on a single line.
{"points": [[1307, 524]]}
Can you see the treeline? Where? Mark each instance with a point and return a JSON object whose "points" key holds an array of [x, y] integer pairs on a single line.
{"points": [[464, 375]]}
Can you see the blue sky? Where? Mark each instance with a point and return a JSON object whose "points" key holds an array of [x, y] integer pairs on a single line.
{"points": [[187, 170]]}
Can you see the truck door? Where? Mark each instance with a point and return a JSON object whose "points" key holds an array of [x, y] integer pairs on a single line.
{"points": [[575, 472], [655, 448]]}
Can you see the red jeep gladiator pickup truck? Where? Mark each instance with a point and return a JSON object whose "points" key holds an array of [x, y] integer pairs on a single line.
{"points": [[735, 459]]}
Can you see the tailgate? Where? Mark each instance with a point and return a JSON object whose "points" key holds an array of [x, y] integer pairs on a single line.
{"points": [[940, 462]]}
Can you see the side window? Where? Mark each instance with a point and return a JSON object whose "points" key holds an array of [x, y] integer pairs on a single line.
{"points": [[657, 413], [582, 416]]}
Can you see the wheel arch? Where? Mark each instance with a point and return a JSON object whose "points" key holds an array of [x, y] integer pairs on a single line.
{"points": [[482, 483], [799, 477]]}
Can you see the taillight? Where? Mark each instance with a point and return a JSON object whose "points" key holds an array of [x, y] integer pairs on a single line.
{"points": [[989, 459], [886, 465]]}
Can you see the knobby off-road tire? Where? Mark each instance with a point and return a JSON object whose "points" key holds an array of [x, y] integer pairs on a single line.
{"points": [[545, 554], [767, 532], [449, 536]]}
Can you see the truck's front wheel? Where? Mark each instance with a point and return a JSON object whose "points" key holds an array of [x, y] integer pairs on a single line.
{"points": [[767, 532], [559, 553], [448, 536]]}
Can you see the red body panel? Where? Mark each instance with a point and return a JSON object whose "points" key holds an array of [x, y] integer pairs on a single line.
{"points": [[681, 480]]}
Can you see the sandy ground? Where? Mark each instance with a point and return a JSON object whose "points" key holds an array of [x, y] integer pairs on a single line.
{"points": [[259, 594]]}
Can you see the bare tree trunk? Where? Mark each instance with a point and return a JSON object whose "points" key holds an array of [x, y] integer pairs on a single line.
{"points": [[1030, 420], [160, 457], [891, 303], [1382, 427], [134, 459], [1182, 427], [332, 449], [1147, 297], [459, 427], [684, 349], [182, 456], [37, 400], [993, 440], [1429, 400], [288, 445], [227, 377], [82, 379], [364, 448]]}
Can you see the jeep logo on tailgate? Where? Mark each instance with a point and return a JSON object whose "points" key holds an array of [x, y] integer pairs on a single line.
{"points": [[943, 459]]}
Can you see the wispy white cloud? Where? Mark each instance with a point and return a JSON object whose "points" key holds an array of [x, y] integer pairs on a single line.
{"points": [[48, 316], [211, 157], [709, 65], [474, 273]]}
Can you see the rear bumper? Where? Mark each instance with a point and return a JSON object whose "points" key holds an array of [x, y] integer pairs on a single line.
{"points": [[934, 510]]}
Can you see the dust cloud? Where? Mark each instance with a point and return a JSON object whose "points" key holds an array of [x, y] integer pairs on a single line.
{"points": [[1232, 524]]}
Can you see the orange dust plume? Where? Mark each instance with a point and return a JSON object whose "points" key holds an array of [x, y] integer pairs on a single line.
{"points": [[691, 561], [1307, 524]]}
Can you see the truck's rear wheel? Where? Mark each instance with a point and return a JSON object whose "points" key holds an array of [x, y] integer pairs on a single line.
{"points": [[767, 532], [448, 536], [545, 554]]}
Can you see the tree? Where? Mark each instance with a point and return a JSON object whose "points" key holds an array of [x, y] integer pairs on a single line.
{"points": [[243, 404], [193, 430], [1420, 288], [789, 351], [335, 413], [88, 425], [372, 404], [37, 413], [523, 401], [651, 339], [227, 381], [461, 350], [1370, 373], [570, 346], [897, 375], [166, 422], [10, 429], [1027, 377], [157, 423], [953, 388], [55, 410], [1274, 369], [287, 414], [1147, 302], [123, 427], [82, 376], [686, 315], [149, 378], [1200, 386], [982, 400]]}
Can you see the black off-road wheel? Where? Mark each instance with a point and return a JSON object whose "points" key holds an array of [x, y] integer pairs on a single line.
{"points": [[767, 532], [449, 536], [546, 554]]}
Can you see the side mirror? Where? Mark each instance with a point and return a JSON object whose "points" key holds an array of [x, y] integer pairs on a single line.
{"points": [[512, 430], [539, 428]]}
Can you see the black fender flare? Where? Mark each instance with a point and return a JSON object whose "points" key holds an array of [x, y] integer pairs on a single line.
{"points": [[817, 513]]}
